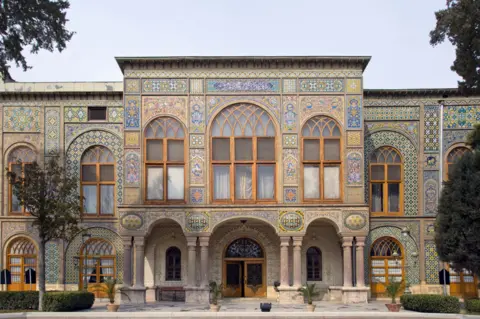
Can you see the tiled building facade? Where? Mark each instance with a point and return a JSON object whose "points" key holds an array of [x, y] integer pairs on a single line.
{"points": [[262, 173]]}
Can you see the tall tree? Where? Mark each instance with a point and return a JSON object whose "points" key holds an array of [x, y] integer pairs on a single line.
{"points": [[31, 24], [51, 198], [460, 24], [458, 219]]}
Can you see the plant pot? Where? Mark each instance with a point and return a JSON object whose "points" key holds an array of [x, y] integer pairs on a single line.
{"points": [[214, 308], [393, 307], [112, 307], [311, 308], [265, 307]]}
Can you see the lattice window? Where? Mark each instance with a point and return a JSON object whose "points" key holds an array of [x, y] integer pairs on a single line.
{"points": [[454, 156], [314, 264], [244, 248], [97, 261], [22, 264], [173, 264], [18, 161]]}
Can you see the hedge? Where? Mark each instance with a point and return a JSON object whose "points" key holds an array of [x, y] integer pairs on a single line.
{"points": [[68, 301], [472, 305], [431, 303], [18, 300]]}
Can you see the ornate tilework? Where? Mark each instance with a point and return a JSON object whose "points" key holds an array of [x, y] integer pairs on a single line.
{"points": [[197, 222], [430, 188], [196, 86], [52, 262], [132, 112], [75, 114], [73, 249], [409, 128], [432, 129], [243, 85], [290, 140], [354, 169], [132, 139], [21, 119], [397, 113], [197, 195], [197, 114], [431, 263], [290, 166], [165, 86], [328, 105], [74, 130], [197, 166], [197, 140], [429, 229], [291, 221], [290, 195], [115, 114], [91, 138], [354, 86], [321, 85], [290, 114], [52, 131], [461, 117], [216, 103], [354, 112], [410, 156], [354, 138], [431, 161], [355, 221], [453, 137], [132, 168], [132, 85], [289, 85], [153, 106], [132, 221]]}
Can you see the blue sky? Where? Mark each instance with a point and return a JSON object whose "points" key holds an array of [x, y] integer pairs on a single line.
{"points": [[394, 32]]}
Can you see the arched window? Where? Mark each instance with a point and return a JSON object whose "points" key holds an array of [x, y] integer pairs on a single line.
{"points": [[243, 155], [18, 160], [164, 161], [386, 263], [314, 264], [386, 181], [173, 264], [98, 181], [244, 248], [97, 261], [453, 157], [322, 159], [22, 264]]}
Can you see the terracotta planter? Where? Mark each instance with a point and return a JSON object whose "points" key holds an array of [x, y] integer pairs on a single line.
{"points": [[214, 308], [393, 307], [311, 308], [112, 307]]}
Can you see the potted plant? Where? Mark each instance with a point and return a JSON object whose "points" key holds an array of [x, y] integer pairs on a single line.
{"points": [[109, 287], [265, 307], [392, 289], [215, 292], [308, 293]]}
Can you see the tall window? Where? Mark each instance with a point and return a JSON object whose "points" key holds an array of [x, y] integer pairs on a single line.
{"points": [[386, 181], [98, 181], [453, 157], [173, 264], [314, 264], [165, 161], [18, 160], [243, 155], [98, 257], [22, 263], [322, 160], [386, 263]]}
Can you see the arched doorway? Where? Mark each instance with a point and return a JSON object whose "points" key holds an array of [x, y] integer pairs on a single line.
{"points": [[22, 264], [387, 261], [244, 269]]}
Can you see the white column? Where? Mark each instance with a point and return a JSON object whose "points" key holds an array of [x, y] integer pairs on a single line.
{"points": [[127, 261], [297, 261], [360, 243], [192, 260], [284, 278], [204, 261], [139, 243], [347, 261]]}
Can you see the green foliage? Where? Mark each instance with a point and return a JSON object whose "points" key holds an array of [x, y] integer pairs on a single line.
{"points": [[473, 305], [68, 301], [393, 288], [309, 292], [18, 300], [215, 292], [109, 287], [459, 23], [458, 219], [431, 303], [33, 25], [473, 139]]}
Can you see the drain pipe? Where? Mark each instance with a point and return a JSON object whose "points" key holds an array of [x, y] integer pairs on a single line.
{"points": [[354, 262]]}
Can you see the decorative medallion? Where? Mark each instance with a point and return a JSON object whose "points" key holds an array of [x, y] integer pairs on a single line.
{"points": [[131, 221], [431, 161], [21, 119], [290, 195], [321, 85], [165, 86], [197, 222], [243, 85], [291, 221], [355, 221]]}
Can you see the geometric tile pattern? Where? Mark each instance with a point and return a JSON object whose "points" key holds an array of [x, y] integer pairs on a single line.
{"points": [[354, 112], [132, 112], [430, 188], [354, 86], [461, 117], [132, 139], [52, 131], [197, 140], [71, 131], [432, 128], [289, 85], [115, 114], [321, 85], [75, 114], [354, 138], [165, 86], [269, 102], [196, 86], [290, 140], [132, 85], [453, 137], [409, 128], [52, 262], [431, 263], [410, 156], [197, 195], [243, 85], [132, 168], [197, 114], [390, 113], [290, 195], [21, 119]]}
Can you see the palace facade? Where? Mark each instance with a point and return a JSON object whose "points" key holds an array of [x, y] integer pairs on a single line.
{"points": [[261, 173]]}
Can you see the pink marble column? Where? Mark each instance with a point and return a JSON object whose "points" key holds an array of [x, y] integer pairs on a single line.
{"points": [[347, 261], [360, 245], [139, 243], [284, 278], [192, 260], [204, 261], [297, 261], [127, 261]]}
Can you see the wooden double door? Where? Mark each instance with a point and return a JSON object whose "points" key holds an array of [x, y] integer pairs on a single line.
{"points": [[244, 278], [463, 284]]}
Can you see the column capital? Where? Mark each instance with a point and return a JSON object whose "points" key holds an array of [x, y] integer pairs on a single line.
{"points": [[297, 241], [203, 241], [284, 241], [192, 241], [127, 241], [360, 241], [139, 241], [347, 241]]}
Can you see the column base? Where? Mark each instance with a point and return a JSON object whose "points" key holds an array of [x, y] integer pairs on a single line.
{"points": [[355, 294], [198, 295], [151, 293], [289, 295], [136, 295]]}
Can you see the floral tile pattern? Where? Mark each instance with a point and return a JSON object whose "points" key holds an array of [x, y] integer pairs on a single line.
{"points": [[21, 119], [52, 131]]}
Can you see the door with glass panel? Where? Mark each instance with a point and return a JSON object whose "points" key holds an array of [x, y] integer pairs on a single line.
{"points": [[386, 264], [463, 284], [22, 264], [255, 279]]}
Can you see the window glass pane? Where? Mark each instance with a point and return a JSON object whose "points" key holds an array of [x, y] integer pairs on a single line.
{"points": [[155, 150], [311, 182], [451, 168], [107, 173], [175, 151], [89, 199], [377, 197], [265, 181], [15, 203], [265, 149], [332, 150], [97, 113], [176, 179], [243, 149], [221, 149], [89, 173], [311, 150], [107, 199], [331, 182], [394, 173], [378, 173], [243, 181], [393, 198], [17, 169], [155, 183], [221, 182]]}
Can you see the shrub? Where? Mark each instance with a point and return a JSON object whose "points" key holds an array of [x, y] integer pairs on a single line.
{"points": [[68, 301], [472, 305], [431, 303], [18, 300]]}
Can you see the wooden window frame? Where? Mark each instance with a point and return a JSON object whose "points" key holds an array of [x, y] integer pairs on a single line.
{"points": [[462, 148], [97, 259], [23, 212], [320, 267], [97, 107], [167, 265], [23, 265]]}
